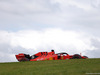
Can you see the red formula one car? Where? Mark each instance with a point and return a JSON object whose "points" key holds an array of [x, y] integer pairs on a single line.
{"points": [[48, 56]]}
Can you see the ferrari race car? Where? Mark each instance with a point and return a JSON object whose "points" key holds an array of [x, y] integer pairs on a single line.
{"points": [[48, 56]]}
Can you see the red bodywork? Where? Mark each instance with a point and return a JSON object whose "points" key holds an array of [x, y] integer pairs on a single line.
{"points": [[48, 56]]}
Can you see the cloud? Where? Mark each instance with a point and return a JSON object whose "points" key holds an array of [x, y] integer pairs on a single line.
{"points": [[6, 57], [33, 25], [96, 52], [36, 14], [33, 41], [51, 37]]}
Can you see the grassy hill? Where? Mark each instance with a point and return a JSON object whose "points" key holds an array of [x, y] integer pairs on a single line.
{"points": [[52, 67]]}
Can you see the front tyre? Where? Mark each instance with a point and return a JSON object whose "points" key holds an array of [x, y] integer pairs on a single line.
{"points": [[85, 57], [76, 56]]}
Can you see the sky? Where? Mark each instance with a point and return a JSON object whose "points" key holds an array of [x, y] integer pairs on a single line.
{"points": [[32, 26]]}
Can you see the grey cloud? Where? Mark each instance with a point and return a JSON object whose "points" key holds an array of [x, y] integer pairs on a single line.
{"points": [[5, 48], [28, 7], [93, 53], [96, 43], [17, 15], [7, 57], [96, 52], [36, 14], [7, 52]]}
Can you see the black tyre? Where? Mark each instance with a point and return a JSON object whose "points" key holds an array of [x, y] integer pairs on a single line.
{"points": [[85, 57], [76, 56]]}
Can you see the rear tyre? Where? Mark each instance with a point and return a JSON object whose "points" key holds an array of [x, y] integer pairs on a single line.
{"points": [[76, 56]]}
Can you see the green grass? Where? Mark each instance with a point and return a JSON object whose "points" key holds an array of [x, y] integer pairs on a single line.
{"points": [[52, 67]]}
